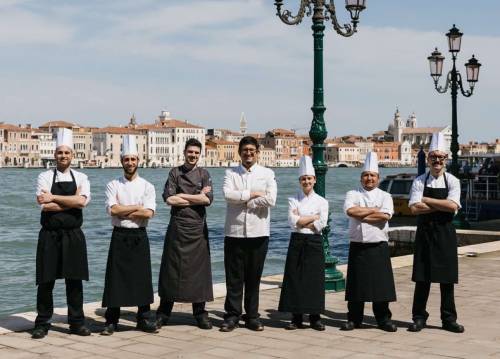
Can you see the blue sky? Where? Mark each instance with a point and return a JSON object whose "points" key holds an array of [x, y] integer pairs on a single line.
{"points": [[206, 61]]}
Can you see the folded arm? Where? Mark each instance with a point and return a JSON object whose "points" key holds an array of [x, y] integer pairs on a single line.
{"points": [[194, 199], [75, 201], [376, 218], [52, 207], [421, 208], [122, 210], [143, 213], [444, 205], [361, 212]]}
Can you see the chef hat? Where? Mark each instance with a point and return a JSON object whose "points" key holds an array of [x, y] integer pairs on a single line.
{"points": [[64, 137], [306, 167], [438, 142], [371, 162], [129, 146]]}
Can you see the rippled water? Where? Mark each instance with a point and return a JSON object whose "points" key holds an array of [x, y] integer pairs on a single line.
{"points": [[19, 226]]}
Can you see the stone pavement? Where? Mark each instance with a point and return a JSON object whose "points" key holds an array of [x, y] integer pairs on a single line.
{"points": [[477, 298]]}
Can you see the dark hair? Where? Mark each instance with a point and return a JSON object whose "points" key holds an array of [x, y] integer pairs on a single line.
{"points": [[192, 142], [248, 140]]}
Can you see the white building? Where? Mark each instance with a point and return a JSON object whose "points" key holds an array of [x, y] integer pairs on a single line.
{"points": [[166, 139], [400, 131], [405, 153]]}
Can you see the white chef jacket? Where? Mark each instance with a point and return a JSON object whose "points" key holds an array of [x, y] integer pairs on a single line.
{"points": [[366, 232], [127, 193], [44, 182], [307, 205], [245, 217], [417, 188]]}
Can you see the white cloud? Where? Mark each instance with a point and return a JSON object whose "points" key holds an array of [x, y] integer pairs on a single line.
{"points": [[18, 27]]}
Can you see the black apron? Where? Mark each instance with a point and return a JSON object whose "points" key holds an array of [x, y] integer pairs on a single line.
{"points": [[435, 253], [128, 272], [369, 273], [303, 289], [61, 250], [185, 271]]}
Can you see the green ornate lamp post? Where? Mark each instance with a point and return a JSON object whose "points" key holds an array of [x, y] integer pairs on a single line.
{"points": [[321, 11], [454, 81]]}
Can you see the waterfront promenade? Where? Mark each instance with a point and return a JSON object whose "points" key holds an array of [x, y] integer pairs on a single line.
{"points": [[477, 297]]}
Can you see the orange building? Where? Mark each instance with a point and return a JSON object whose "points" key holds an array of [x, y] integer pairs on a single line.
{"points": [[387, 152]]}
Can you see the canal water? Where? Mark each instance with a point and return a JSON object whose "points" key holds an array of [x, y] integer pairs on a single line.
{"points": [[20, 215]]}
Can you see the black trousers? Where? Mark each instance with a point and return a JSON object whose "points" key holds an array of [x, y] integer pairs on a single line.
{"points": [[448, 310], [380, 310], [74, 300], [112, 314], [243, 262], [165, 308]]}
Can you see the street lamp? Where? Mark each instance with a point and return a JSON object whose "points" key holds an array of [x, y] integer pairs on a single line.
{"points": [[321, 11], [454, 80]]}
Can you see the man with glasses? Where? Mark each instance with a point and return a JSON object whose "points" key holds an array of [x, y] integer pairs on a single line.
{"points": [[435, 198], [250, 190]]}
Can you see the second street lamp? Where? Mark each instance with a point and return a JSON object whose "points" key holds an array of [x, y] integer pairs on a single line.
{"points": [[321, 11], [454, 81]]}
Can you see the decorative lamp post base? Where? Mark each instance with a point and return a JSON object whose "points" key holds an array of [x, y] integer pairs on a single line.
{"points": [[334, 279]]}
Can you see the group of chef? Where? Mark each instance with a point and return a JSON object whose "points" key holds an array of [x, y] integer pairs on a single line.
{"points": [[250, 191]]}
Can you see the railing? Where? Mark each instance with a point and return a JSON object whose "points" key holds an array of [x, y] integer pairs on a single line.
{"points": [[481, 187]]}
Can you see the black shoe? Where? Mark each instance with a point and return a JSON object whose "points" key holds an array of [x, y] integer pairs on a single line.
{"points": [[388, 326], [417, 325], [349, 325], [317, 325], [228, 326], [204, 322], [254, 324], [39, 332], [293, 325], [147, 326], [80, 330], [109, 329], [453, 327], [161, 320]]}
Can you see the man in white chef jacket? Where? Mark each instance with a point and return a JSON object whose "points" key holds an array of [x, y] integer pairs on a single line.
{"points": [[369, 270], [131, 202], [62, 193], [250, 192], [435, 198]]}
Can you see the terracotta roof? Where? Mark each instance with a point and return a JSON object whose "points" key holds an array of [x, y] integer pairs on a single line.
{"points": [[118, 130], [14, 128], [178, 124], [282, 131], [222, 142], [423, 129], [60, 124]]}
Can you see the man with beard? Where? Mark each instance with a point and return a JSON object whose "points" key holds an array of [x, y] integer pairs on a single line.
{"points": [[62, 193], [185, 272], [131, 202], [435, 198], [369, 269], [250, 190]]}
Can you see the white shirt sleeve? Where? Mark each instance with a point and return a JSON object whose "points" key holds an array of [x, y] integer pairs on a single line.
{"points": [[269, 200], [387, 204], [232, 194], [43, 183], [292, 217], [84, 186], [351, 200], [111, 196], [321, 223], [150, 197], [416, 192], [454, 190]]}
